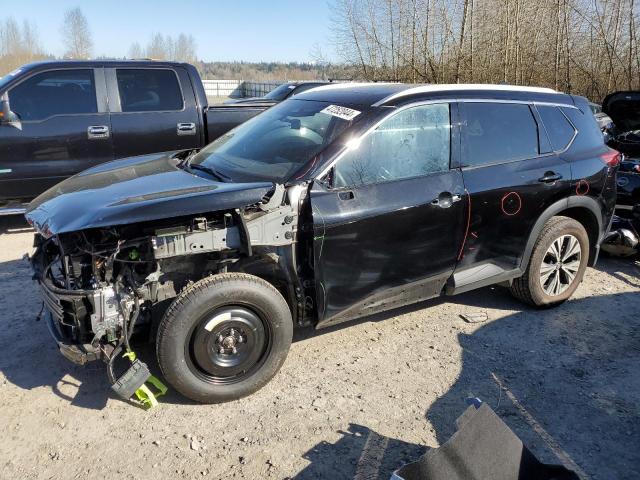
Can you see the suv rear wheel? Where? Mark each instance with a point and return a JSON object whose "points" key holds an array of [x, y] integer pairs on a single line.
{"points": [[557, 265], [224, 337]]}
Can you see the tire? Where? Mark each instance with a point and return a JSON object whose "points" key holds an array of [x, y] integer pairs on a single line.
{"points": [[537, 286], [224, 337]]}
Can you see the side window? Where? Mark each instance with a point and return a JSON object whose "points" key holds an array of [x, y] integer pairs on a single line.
{"points": [[589, 134], [560, 131], [149, 90], [498, 132], [411, 143], [58, 92]]}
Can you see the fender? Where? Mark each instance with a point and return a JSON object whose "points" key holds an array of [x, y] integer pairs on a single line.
{"points": [[554, 209]]}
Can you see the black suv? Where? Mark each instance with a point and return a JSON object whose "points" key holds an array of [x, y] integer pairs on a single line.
{"points": [[344, 201]]}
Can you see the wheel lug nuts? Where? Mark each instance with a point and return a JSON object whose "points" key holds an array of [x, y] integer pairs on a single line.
{"points": [[234, 350], [240, 339], [220, 338], [220, 349]]}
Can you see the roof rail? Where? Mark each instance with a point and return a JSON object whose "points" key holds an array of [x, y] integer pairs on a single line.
{"points": [[462, 86]]}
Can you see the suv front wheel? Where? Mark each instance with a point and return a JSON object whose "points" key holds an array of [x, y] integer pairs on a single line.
{"points": [[557, 265], [224, 337]]}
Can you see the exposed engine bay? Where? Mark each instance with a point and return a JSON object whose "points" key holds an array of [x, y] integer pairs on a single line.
{"points": [[104, 285]]}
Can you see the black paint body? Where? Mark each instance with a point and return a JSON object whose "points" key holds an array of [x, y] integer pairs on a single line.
{"points": [[391, 243]]}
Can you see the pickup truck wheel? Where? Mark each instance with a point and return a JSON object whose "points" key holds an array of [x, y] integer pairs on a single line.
{"points": [[224, 337], [557, 265]]}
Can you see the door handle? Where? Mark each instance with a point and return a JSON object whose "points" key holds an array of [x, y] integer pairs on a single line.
{"points": [[97, 131], [446, 199], [550, 177], [186, 128], [347, 195]]}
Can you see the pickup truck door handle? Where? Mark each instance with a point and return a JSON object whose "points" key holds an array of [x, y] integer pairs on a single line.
{"points": [[550, 177], [97, 132], [186, 129], [346, 195], [446, 199]]}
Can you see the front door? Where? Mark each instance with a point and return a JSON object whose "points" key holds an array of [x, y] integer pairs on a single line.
{"points": [[151, 112], [62, 129], [389, 222]]}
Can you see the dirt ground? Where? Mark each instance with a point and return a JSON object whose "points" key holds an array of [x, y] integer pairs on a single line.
{"points": [[356, 401]]}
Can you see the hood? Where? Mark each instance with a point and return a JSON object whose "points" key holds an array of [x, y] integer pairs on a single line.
{"points": [[132, 190], [624, 110]]}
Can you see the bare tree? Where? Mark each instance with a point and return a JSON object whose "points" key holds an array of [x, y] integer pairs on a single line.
{"points": [[165, 47], [18, 45], [159, 47], [589, 47], [184, 48], [135, 51], [76, 34]]}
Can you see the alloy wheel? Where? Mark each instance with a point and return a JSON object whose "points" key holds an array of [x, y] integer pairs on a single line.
{"points": [[560, 265]]}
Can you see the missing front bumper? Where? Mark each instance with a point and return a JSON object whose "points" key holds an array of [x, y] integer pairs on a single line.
{"points": [[77, 353]]}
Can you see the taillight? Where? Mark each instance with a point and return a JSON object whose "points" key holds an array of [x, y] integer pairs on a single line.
{"points": [[611, 158]]}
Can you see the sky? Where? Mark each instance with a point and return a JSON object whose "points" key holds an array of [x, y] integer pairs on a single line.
{"points": [[226, 30]]}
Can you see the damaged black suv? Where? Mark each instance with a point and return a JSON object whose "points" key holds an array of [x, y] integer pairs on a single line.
{"points": [[347, 200]]}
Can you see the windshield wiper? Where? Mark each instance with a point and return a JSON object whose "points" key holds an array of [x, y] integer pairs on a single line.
{"points": [[214, 173], [187, 160]]}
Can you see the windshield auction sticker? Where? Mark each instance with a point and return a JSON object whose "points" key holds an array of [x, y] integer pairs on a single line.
{"points": [[341, 112]]}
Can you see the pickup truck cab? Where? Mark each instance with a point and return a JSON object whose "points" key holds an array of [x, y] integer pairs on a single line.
{"points": [[61, 117]]}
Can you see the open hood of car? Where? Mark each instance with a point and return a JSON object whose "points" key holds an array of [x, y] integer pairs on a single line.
{"points": [[624, 110], [135, 189]]}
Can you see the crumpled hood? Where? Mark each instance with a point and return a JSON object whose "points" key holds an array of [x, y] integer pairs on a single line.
{"points": [[132, 190], [624, 110]]}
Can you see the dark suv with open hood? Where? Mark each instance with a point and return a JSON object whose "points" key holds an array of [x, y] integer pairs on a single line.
{"points": [[624, 110], [343, 201]]}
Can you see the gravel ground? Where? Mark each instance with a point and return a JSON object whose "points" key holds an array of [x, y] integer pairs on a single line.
{"points": [[355, 401]]}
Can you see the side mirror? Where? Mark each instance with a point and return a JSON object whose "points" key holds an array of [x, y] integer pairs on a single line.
{"points": [[6, 115]]}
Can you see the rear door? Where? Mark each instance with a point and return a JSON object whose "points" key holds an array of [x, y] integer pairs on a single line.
{"points": [[152, 110], [63, 128], [388, 227], [512, 174]]}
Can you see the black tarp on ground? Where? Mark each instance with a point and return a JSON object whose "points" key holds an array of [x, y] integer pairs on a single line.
{"points": [[483, 448]]}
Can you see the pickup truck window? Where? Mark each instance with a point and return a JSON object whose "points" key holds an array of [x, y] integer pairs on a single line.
{"points": [[411, 143], [57, 92], [149, 90], [275, 144]]}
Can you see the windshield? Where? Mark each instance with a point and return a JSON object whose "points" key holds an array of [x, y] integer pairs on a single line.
{"points": [[281, 92], [277, 143]]}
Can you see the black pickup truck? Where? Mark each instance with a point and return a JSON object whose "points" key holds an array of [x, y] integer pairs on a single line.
{"points": [[61, 117]]}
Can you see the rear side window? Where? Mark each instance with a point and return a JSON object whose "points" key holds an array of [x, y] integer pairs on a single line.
{"points": [[149, 90], [560, 130], [589, 134], [498, 132], [58, 92], [411, 143]]}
